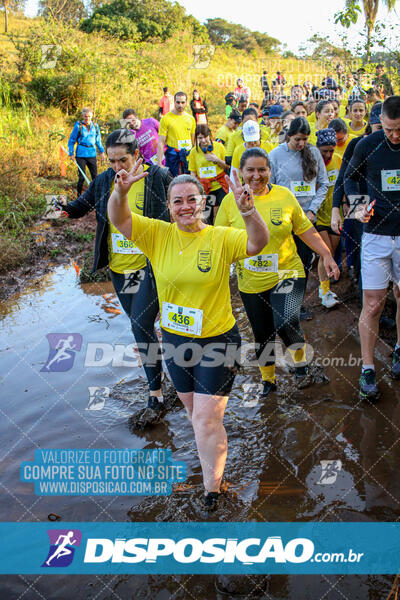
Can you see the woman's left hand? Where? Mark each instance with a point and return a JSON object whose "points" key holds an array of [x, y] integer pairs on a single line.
{"points": [[211, 157], [243, 193], [331, 267]]}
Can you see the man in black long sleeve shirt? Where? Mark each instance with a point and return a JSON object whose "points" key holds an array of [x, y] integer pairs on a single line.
{"points": [[376, 164]]}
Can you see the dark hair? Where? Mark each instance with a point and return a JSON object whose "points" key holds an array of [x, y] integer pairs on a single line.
{"points": [[298, 103], [165, 89], [242, 99], [338, 125], [180, 94], [335, 100], [308, 162], [127, 112], [249, 111], [194, 91], [321, 104], [122, 137], [286, 113], [354, 101], [254, 152], [202, 129], [391, 107], [254, 104]]}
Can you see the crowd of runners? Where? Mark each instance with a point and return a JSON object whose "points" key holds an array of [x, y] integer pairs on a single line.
{"points": [[304, 176]]}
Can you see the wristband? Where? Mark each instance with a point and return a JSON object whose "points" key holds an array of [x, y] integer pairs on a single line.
{"points": [[249, 212]]}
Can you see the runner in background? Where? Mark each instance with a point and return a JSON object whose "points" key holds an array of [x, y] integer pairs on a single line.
{"points": [[86, 136], [324, 113], [342, 135], [299, 108], [326, 143], [242, 90], [146, 133], [177, 133], [242, 104], [376, 161], [382, 80], [272, 284], [166, 103], [264, 84], [284, 101], [207, 164], [230, 101], [199, 109], [252, 139], [275, 123], [356, 124], [225, 131], [298, 165], [236, 139]]}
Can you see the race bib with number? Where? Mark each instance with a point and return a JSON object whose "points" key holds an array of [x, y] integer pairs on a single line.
{"points": [[153, 159], [184, 144], [332, 176], [263, 263], [207, 172], [302, 188], [390, 181], [182, 319], [121, 245]]}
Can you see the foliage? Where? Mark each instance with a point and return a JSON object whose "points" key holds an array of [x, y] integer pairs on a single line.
{"points": [[10, 6], [143, 21], [322, 50], [222, 32], [71, 11]]}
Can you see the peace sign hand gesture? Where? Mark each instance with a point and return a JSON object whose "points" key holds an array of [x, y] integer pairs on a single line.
{"points": [[243, 193], [124, 180]]}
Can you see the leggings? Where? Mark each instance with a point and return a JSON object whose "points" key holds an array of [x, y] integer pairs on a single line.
{"points": [[275, 311], [306, 256], [82, 161], [137, 294]]}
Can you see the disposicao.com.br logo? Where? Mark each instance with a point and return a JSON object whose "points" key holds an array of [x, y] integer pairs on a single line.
{"points": [[62, 547]]}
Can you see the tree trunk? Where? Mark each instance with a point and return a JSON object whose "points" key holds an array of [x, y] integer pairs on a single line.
{"points": [[369, 34], [5, 18]]}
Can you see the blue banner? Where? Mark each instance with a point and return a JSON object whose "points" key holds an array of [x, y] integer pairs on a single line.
{"points": [[207, 548]]}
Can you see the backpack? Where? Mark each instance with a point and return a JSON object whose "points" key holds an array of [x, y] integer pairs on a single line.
{"points": [[80, 130]]}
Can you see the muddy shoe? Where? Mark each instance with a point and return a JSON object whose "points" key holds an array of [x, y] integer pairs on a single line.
{"points": [[268, 388], [368, 388], [395, 372], [305, 314], [211, 501], [154, 404], [303, 377]]}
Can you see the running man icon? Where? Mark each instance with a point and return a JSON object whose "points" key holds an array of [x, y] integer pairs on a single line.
{"points": [[62, 547], [62, 351]]}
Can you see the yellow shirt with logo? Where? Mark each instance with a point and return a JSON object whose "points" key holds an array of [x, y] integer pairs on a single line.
{"points": [[353, 132], [324, 213], [192, 271], [239, 151], [204, 168], [123, 254], [237, 138], [340, 150], [279, 259], [178, 130], [224, 134]]}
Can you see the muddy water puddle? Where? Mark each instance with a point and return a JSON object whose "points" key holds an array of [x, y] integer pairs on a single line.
{"points": [[317, 454]]}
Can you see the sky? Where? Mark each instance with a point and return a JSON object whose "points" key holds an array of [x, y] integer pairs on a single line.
{"points": [[292, 22]]}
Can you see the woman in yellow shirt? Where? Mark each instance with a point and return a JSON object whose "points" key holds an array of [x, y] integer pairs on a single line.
{"points": [[356, 124], [207, 163], [324, 113], [191, 263], [272, 284]]}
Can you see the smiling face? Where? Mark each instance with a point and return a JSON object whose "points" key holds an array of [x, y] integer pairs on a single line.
{"points": [[203, 140], [186, 205], [256, 174], [326, 115], [133, 122], [357, 112]]}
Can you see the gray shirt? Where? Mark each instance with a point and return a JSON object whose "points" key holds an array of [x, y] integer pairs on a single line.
{"points": [[286, 169]]}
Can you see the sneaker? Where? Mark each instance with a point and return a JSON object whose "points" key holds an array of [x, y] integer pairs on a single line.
{"points": [[155, 404], [302, 376], [211, 501], [387, 322], [368, 387], [305, 314], [329, 299], [396, 364], [268, 388]]}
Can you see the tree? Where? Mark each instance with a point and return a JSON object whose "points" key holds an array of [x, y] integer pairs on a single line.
{"points": [[223, 32], [351, 12], [62, 10], [10, 6]]}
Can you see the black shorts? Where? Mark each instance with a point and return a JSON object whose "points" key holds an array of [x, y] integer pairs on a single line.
{"points": [[205, 365], [326, 228], [215, 197]]}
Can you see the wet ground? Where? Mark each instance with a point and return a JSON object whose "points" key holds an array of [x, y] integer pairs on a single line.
{"points": [[274, 470]]}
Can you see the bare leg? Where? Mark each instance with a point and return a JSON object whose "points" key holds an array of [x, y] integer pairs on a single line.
{"points": [[211, 439], [373, 303]]}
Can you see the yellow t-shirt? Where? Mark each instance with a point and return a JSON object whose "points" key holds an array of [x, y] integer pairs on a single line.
{"points": [[353, 132], [340, 150], [178, 130], [312, 118], [237, 138], [123, 255], [192, 273], [239, 150], [324, 213], [204, 168], [224, 134], [279, 259]]}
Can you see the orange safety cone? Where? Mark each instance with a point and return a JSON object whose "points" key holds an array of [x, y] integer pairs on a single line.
{"points": [[63, 168]]}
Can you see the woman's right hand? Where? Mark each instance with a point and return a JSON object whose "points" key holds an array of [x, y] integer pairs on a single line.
{"points": [[124, 180], [336, 220]]}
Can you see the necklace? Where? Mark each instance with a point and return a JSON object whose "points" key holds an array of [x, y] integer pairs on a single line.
{"points": [[180, 245], [389, 144]]}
